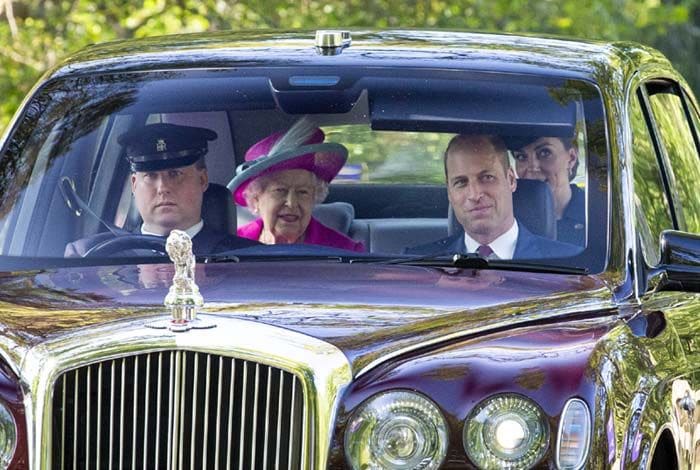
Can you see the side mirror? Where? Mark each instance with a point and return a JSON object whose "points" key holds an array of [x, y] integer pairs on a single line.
{"points": [[680, 261]]}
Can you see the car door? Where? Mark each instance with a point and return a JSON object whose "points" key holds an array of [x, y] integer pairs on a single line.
{"points": [[666, 169]]}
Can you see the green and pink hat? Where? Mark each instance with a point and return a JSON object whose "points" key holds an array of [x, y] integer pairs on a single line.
{"points": [[272, 154]]}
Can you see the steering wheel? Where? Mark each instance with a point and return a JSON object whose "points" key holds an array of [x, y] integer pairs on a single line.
{"points": [[125, 243]]}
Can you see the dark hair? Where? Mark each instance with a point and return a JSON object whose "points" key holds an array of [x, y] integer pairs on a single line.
{"points": [[568, 145], [567, 142], [462, 140], [201, 164]]}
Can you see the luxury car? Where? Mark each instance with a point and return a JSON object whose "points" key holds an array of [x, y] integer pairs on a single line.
{"points": [[397, 348]]}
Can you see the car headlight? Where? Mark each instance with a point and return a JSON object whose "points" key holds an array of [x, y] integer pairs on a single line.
{"points": [[8, 436], [400, 430], [574, 435], [506, 431]]}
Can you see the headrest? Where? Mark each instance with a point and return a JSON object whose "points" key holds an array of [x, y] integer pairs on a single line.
{"points": [[218, 211], [336, 215], [533, 206]]}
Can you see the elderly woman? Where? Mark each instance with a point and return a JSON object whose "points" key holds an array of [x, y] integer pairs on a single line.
{"points": [[554, 160], [284, 176]]}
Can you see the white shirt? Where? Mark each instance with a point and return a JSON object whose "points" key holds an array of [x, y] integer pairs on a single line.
{"points": [[192, 231], [503, 247]]}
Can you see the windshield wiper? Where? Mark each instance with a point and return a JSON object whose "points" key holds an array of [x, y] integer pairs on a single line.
{"points": [[224, 258], [473, 261], [284, 253], [221, 259]]}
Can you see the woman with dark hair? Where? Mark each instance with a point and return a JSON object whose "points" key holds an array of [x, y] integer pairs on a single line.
{"points": [[554, 160]]}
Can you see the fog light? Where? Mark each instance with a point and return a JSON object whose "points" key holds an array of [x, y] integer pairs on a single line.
{"points": [[8, 436], [400, 430], [574, 435], [506, 431]]}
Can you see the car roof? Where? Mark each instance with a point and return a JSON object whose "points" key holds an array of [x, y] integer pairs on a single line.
{"points": [[408, 48]]}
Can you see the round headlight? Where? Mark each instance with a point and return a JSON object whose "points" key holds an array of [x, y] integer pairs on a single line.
{"points": [[8, 436], [506, 431], [401, 430]]}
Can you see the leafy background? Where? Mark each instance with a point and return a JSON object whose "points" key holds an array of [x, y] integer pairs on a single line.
{"points": [[36, 34]]}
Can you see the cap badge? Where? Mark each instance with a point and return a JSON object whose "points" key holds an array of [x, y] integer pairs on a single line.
{"points": [[161, 145]]}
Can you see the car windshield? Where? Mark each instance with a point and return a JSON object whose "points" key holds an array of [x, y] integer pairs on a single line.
{"points": [[65, 174]]}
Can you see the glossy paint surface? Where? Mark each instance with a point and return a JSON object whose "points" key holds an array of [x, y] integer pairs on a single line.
{"points": [[547, 364], [455, 50], [12, 397], [366, 310]]}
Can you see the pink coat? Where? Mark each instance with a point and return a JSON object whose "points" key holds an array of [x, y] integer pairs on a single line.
{"points": [[316, 234]]}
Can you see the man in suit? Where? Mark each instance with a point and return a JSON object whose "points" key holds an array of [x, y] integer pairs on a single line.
{"points": [[168, 180], [480, 186]]}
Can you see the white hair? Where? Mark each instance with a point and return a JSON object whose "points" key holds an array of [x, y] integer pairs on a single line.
{"points": [[258, 185]]}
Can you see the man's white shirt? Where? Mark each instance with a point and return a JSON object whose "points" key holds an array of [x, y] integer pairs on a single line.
{"points": [[503, 247], [192, 231]]}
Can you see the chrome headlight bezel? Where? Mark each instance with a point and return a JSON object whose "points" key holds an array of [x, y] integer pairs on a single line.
{"points": [[385, 420], [521, 424]]}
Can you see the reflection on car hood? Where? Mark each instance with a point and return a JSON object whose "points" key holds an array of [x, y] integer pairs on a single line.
{"points": [[368, 311]]}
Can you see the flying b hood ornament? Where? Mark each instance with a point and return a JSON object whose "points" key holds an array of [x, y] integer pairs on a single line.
{"points": [[183, 298]]}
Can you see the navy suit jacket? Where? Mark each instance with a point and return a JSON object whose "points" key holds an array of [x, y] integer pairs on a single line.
{"points": [[205, 242], [528, 245]]}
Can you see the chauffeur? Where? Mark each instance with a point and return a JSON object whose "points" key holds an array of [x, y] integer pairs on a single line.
{"points": [[168, 180]]}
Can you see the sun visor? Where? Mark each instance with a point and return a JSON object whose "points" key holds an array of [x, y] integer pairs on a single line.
{"points": [[474, 107]]}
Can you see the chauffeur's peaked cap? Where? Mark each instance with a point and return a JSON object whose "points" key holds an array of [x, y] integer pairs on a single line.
{"points": [[156, 147]]}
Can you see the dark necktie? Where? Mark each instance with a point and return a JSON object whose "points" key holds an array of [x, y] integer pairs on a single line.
{"points": [[484, 251]]}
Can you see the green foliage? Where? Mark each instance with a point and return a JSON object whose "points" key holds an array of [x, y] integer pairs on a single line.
{"points": [[35, 34]]}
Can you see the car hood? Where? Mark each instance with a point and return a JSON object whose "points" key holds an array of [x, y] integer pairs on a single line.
{"points": [[369, 311]]}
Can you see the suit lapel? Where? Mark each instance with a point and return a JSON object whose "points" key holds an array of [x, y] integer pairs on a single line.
{"points": [[526, 246], [456, 244]]}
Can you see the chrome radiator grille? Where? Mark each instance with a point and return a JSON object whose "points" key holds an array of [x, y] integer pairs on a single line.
{"points": [[177, 410]]}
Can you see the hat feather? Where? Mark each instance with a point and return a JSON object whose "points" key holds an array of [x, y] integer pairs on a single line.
{"points": [[295, 137]]}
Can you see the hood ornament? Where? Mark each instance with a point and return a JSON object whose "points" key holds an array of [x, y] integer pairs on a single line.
{"points": [[183, 298]]}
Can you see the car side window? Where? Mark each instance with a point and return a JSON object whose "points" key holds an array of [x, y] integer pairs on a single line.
{"points": [[651, 204], [678, 144]]}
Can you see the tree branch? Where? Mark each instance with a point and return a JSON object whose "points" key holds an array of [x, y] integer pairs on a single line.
{"points": [[6, 6], [20, 59]]}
